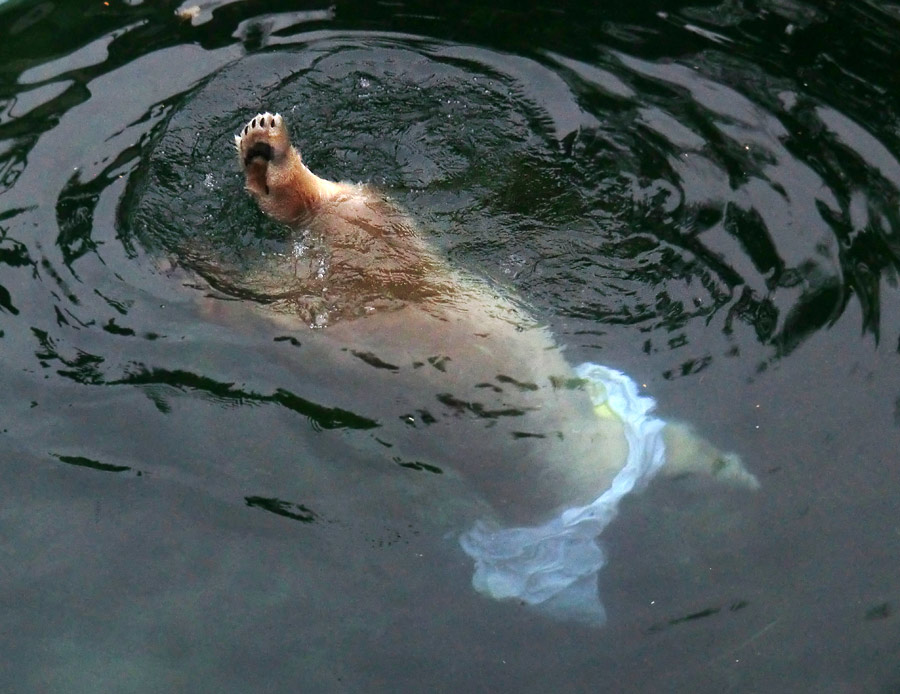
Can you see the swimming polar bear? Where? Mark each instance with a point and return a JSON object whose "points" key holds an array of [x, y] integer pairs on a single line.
{"points": [[453, 354]]}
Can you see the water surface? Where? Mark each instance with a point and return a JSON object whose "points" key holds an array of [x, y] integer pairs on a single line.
{"points": [[704, 195]]}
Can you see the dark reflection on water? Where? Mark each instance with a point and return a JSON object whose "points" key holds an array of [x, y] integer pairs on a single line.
{"points": [[703, 194], [287, 509], [324, 417], [94, 464]]}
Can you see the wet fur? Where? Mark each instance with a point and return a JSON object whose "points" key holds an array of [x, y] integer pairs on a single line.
{"points": [[481, 360]]}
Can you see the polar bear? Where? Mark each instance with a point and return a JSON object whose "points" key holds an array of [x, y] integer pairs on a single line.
{"points": [[453, 353]]}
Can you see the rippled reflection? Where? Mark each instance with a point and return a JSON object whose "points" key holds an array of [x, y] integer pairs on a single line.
{"points": [[705, 194], [640, 193]]}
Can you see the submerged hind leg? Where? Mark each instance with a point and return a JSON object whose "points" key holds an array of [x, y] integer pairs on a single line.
{"points": [[688, 452]]}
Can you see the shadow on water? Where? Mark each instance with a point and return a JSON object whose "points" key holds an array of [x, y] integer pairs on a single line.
{"points": [[704, 194]]}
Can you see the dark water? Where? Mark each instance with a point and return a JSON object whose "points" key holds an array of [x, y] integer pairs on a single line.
{"points": [[704, 195]]}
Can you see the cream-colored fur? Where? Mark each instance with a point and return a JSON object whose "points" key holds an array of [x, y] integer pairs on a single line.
{"points": [[282, 185], [480, 359]]}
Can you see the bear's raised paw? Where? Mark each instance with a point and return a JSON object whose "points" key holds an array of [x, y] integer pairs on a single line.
{"points": [[262, 141], [263, 137], [283, 187]]}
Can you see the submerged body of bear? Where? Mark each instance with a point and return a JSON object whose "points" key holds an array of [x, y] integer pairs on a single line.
{"points": [[448, 351], [385, 295]]}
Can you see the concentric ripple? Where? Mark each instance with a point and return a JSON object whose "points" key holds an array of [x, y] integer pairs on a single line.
{"points": [[624, 192]]}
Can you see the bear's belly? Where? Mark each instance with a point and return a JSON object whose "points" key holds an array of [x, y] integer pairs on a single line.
{"points": [[477, 387]]}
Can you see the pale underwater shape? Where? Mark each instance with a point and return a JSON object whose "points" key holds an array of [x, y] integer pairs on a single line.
{"points": [[554, 566]]}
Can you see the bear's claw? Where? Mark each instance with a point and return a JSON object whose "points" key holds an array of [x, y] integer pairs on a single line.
{"points": [[264, 137]]}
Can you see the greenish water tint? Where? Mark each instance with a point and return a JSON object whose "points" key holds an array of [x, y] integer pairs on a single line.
{"points": [[703, 194]]}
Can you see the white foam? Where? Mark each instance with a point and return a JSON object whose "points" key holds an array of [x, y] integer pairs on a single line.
{"points": [[554, 566]]}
